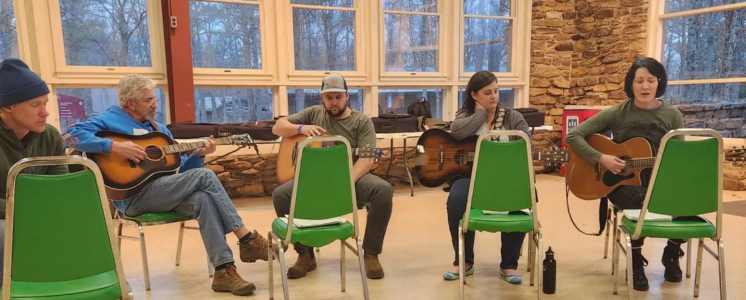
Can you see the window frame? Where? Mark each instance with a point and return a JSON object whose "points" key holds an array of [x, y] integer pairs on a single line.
{"points": [[510, 76]]}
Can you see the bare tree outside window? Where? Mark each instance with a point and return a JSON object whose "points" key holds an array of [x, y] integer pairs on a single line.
{"points": [[398, 100], [324, 37], [225, 35], [487, 35], [299, 99], [8, 34], [80, 104], [106, 32], [411, 41], [706, 46], [225, 105]]}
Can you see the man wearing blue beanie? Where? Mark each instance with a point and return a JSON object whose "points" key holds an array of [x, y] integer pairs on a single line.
{"points": [[24, 131]]}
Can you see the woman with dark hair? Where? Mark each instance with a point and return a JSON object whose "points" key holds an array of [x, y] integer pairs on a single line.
{"points": [[642, 115], [482, 112]]}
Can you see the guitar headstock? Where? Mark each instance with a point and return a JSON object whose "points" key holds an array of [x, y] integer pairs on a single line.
{"points": [[242, 140], [736, 155], [552, 155], [369, 152]]}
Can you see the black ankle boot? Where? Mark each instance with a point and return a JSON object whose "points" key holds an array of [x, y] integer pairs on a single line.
{"points": [[670, 260], [639, 280]]}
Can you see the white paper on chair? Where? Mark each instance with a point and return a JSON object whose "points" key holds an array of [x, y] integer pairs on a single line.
{"points": [[634, 215], [305, 223], [492, 212]]}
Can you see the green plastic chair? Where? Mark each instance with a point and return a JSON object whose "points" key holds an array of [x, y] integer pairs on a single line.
{"points": [[503, 180], [317, 170], [54, 265], [150, 219], [687, 181]]}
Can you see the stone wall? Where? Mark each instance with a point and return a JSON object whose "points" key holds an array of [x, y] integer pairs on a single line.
{"points": [[726, 118]]}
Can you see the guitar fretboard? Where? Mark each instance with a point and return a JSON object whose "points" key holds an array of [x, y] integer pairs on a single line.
{"points": [[184, 147], [639, 163]]}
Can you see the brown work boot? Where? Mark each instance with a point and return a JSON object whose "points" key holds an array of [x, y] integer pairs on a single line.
{"points": [[372, 267], [303, 265], [255, 248], [227, 280]]}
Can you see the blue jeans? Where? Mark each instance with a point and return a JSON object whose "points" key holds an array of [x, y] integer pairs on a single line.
{"points": [[198, 192], [456, 207]]}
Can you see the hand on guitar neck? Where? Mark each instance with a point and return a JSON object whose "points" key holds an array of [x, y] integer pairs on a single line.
{"points": [[612, 163]]}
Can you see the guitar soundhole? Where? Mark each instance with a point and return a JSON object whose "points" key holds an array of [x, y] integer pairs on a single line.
{"points": [[460, 157], [154, 153]]}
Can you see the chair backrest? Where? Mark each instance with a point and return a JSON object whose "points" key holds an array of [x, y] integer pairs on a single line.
{"points": [[59, 236], [323, 187], [687, 179], [503, 175]]}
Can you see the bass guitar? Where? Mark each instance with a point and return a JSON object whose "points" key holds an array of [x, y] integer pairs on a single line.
{"points": [[441, 157], [286, 156], [124, 178]]}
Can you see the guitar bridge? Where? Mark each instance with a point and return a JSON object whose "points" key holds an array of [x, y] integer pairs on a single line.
{"points": [[440, 157]]}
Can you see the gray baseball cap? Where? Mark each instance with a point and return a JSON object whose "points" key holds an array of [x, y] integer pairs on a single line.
{"points": [[333, 83]]}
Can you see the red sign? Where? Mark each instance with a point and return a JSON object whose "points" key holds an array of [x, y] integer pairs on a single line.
{"points": [[71, 107]]}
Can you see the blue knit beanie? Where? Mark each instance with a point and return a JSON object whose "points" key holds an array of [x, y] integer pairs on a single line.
{"points": [[18, 83]]}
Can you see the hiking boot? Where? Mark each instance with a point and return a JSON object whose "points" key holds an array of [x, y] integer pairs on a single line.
{"points": [[305, 263], [255, 248], [670, 260], [373, 267], [228, 280], [639, 280]]}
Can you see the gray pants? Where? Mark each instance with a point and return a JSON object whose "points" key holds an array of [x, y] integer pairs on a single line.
{"points": [[199, 192], [370, 190]]}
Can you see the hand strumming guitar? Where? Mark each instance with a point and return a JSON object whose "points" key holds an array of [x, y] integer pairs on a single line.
{"points": [[210, 147], [612, 163], [129, 150], [312, 130]]}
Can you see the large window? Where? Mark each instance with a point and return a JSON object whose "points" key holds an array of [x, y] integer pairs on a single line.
{"points": [[324, 35], [398, 100], [79, 104], [704, 51], [8, 35], [298, 99], [411, 35], [225, 35], [106, 33], [487, 35], [231, 105]]}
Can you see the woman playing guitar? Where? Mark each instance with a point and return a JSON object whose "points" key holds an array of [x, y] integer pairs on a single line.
{"points": [[482, 112], [642, 115]]}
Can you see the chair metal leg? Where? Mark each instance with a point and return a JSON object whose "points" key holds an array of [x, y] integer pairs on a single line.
{"points": [[181, 240], [615, 237], [616, 248], [461, 260], [119, 237], [210, 268], [270, 263], [628, 252], [283, 267], [531, 255], [539, 259], [721, 267], [688, 259], [342, 263], [698, 271], [144, 256], [608, 224], [363, 274]]}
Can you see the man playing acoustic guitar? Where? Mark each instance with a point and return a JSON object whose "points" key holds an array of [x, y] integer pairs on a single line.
{"points": [[194, 190], [335, 118], [24, 131], [643, 115]]}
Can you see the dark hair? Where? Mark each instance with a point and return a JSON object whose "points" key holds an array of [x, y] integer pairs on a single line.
{"points": [[478, 81], [654, 67]]}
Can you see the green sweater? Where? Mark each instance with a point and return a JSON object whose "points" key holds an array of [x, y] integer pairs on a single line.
{"points": [[47, 143], [626, 121]]}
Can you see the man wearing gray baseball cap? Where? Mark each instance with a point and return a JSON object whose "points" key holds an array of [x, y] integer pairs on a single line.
{"points": [[334, 117]]}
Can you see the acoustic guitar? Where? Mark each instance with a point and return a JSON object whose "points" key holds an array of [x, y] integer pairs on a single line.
{"points": [[124, 178], [441, 157], [286, 156]]}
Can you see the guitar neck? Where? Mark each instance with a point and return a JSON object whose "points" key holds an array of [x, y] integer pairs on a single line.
{"points": [[184, 147], [639, 163]]}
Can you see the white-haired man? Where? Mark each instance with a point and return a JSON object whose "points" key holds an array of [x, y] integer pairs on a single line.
{"points": [[194, 190]]}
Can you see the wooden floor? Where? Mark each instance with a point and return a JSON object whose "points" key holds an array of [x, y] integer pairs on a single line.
{"points": [[417, 251]]}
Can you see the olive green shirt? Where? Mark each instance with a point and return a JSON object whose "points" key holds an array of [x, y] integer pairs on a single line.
{"points": [[626, 121], [357, 128]]}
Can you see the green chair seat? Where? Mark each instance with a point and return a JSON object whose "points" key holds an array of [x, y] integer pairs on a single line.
{"points": [[314, 236], [101, 286], [171, 216], [513, 222], [689, 228]]}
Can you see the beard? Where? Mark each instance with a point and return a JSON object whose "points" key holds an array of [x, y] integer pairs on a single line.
{"points": [[338, 113]]}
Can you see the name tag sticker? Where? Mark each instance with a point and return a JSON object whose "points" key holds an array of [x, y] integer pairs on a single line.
{"points": [[139, 131]]}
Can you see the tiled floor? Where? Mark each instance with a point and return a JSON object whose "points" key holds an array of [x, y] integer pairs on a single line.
{"points": [[417, 251]]}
